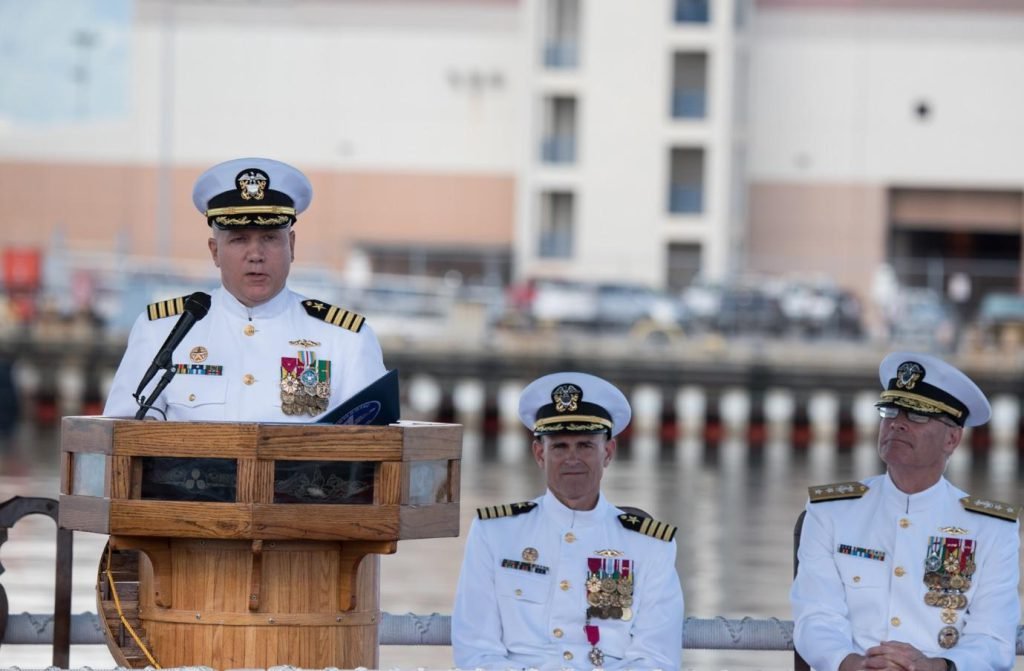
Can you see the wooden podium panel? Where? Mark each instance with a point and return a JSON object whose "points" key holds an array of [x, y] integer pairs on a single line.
{"points": [[252, 581]]}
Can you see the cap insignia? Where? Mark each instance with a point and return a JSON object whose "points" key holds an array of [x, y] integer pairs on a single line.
{"points": [[252, 184], [566, 398], [505, 510], [908, 375], [648, 526], [837, 491]]}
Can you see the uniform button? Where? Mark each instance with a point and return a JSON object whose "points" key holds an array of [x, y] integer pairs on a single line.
{"points": [[558, 633], [191, 397], [564, 585], [900, 571], [895, 622], [567, 655], [904, 523], [249, 330], [519, 592], [570, 537], [248, 378], [856, 578]]}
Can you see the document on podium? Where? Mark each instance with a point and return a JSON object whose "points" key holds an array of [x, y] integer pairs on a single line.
{"points": [[376, 404]]}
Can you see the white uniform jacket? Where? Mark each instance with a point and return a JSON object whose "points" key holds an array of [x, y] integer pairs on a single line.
{"points": [[861, 578], [507, 617], [231, 361]]}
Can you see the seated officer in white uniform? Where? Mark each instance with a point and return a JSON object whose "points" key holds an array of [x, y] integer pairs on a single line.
{"points": [[568, 580], [263, 352], [904, 570]]}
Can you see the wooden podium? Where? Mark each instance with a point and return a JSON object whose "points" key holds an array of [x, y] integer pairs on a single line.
{"points": [[264, 574]]}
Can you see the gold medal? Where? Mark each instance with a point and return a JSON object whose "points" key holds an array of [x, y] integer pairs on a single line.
{"points": [[593, 584], [608, 585], [948, 637], [627, 614], [949, 616]]}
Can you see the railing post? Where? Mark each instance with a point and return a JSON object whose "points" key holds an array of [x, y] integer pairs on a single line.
{"points": [[798, 662], [11, 511]]}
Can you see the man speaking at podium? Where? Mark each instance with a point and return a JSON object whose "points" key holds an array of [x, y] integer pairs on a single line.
{"points": [[253, 350]]}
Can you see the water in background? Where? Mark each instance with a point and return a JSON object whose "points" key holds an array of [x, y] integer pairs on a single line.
{"points": [[735, 506]]}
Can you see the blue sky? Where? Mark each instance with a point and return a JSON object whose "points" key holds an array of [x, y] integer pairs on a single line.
{"points": [[64, 61]]}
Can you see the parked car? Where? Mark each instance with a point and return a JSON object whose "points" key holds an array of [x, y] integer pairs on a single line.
{"points": [[600, 308], [749, 311], [1000, 319], [920, 318]]}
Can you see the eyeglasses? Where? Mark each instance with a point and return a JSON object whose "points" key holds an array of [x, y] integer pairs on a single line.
{"points": [[891, 412]]}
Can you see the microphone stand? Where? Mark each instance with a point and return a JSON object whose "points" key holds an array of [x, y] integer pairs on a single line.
{"points": [[146, 403]]}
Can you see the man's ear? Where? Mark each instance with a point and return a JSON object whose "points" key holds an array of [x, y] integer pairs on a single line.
{"points": [[212, 244], [609, 451], [953, 437], [291, 242], [537, 447]]}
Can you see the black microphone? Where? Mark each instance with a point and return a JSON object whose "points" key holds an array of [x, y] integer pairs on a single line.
{"points": [[196, 307]]}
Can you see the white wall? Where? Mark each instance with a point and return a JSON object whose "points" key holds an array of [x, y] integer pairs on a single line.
{"points": [[833, 96], [351, 84]]}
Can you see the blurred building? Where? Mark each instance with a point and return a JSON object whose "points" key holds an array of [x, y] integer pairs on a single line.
{"points": [[634, 165], [887, 138], [407, 116], [617, 140]]}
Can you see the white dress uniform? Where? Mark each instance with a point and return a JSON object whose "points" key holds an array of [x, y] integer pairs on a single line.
{"points": [[863, 564], [522, 594], [230, 363]]}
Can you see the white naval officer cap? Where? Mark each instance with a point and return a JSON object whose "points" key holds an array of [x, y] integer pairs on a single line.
{"points": [[251, 193], [572, 402], [928, 385]]}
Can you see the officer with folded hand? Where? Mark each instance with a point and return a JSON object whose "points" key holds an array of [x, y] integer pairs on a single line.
{"points": [[905, 570], [568, 580]]}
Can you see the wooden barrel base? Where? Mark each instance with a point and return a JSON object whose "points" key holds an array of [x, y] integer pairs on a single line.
{"points": [[236, 604]]}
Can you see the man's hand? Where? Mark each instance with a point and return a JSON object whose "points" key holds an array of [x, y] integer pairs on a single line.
{"points": [[894, 656]]}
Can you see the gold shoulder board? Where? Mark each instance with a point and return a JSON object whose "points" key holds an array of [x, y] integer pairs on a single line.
{"points": [[167, 308], [331, 314], [648, 526], [837, 491], [505, 510], [1004, 511]]}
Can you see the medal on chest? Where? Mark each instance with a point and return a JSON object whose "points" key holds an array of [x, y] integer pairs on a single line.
{"points": [[305, 384], [949, 566]]}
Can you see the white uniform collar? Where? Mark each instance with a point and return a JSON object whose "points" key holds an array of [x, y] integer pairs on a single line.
{"points": [[568, 517], [929, 499], [272, 308]]}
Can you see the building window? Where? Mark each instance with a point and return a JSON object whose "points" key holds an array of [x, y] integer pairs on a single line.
{"points": [[557, 212], [692, 11], [559, 143], [686, 186], [561, 34], [689, 85], [683, 265]]}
